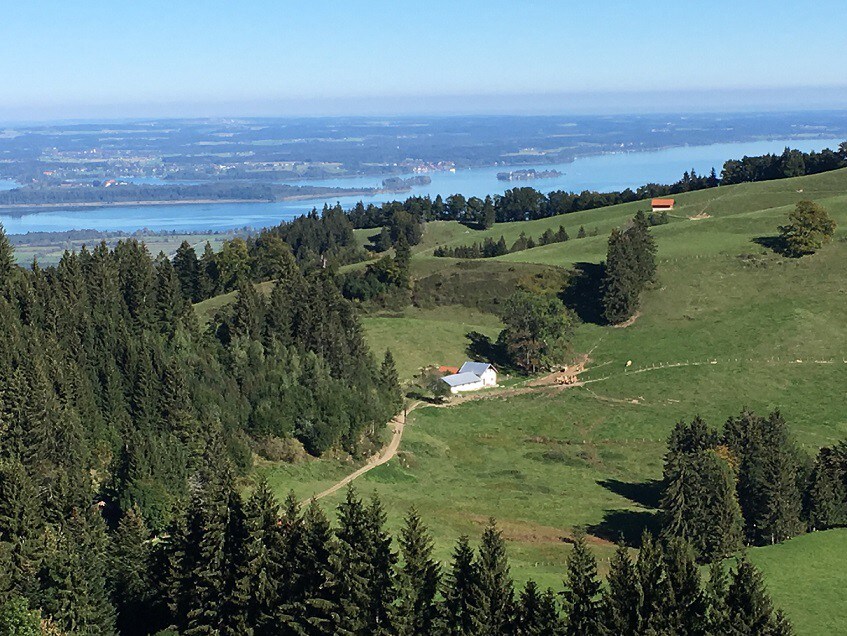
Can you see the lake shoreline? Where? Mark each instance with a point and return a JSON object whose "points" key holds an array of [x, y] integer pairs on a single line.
{"points": [[21, 209]]}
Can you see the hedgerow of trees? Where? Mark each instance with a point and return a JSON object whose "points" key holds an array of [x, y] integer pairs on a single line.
{"points": [[749, 484]]}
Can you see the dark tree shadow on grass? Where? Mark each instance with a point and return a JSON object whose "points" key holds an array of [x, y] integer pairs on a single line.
{"points": [[625, 525], [583, 292], [774, 243], [644, 493], [629, 525], [481, 348]]}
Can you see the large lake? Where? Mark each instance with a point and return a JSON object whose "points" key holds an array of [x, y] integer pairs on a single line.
{"points": [[605, 172]]}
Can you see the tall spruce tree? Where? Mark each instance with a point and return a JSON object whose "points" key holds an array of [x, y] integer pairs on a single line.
{"points": [[21, 525], [462, 599], [381, 612], [686, 608], [265, 554], [187, 269], [582, 589], [537, 613], [827, 496], [749, 609], [621, 282], [655, 586], [495, 584], [622, 598], [129, 559], [420, 577]]}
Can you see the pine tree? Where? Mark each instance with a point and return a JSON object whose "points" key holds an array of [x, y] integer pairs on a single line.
{"points": [[21, 524], [380, 617], [699, 504], [654, 584], [537, 613], [205, 576], [265, 552], [389, 383], [495, 584], [7, 259], [767, 477], [582, 589], [462, 598], [353, 561], [279, 321], [645, 249], [826, 493], [209, 282], [715, 593], [73, 576], [248, 313], [420, 576], [779, 517], [686, 609], [129, 579], [236, 591], [622, 598], [187, 269], [749, 609], [621, 283], [314, 604]]}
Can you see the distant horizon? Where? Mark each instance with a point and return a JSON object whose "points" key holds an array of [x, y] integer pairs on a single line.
{"points": [[585, 104]]}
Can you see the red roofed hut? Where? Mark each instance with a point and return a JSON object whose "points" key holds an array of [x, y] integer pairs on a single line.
{"points": [[660, 205]]}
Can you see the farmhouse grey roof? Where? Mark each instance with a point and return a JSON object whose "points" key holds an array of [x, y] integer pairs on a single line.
{"points": [[460, 379], [477, 368]]}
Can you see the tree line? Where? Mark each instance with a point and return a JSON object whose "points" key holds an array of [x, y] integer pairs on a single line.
{"points": [[129, 192], [489, 248], [749, 484], [527, 203], [227, 565], [317, 241]]}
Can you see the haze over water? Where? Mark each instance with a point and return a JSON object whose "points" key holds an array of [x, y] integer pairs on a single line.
{"points": [[600, 172]]}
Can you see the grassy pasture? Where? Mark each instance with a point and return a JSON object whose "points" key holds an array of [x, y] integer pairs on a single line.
{"points": [[806, 582], [728, 324], [422, 337]]}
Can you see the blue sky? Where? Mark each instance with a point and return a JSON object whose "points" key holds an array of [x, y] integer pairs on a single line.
{"points": [[76, 58]]}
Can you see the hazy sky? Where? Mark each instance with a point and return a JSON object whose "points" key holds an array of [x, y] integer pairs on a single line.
{"points": [[85, 58]]}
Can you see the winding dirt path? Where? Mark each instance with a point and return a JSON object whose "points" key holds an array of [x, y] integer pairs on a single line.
{"points": [[398, 423]]}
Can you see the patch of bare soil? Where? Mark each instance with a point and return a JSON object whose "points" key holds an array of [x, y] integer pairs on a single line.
{"points": [[568, 376], [627, 323], [700, 216]]}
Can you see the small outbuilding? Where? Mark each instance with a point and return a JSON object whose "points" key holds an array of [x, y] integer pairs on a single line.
{"points": [[661, 205], [472, 376]]}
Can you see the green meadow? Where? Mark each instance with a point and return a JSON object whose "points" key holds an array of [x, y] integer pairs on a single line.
{"points": [[728, 324]]}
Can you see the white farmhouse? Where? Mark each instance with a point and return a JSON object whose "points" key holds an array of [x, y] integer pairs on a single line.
{"points": [[471, 377]]}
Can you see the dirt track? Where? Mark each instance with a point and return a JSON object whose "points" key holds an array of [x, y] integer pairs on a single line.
{"points": [[398, 423], [380, 458]]}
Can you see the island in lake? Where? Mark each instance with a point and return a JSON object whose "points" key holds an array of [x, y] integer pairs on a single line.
{"points": [[528, 175], [399, 183]]}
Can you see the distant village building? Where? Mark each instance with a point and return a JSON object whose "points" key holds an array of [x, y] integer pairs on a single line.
{"points": [[472, 376], [662, 205]]}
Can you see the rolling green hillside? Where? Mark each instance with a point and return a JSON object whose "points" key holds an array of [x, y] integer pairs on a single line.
{"points": [[729, 324]]}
